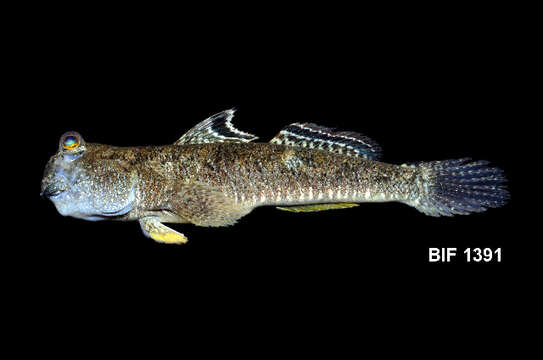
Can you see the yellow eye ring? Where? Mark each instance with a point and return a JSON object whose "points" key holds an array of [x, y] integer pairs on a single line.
{"points": [[70, 142]]}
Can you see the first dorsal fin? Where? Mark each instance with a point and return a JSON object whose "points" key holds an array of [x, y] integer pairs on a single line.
{"points": [[319, 137], [216, 128]]}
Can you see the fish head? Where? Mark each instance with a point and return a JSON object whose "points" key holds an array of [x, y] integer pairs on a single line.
{"points": [[84, 185]]}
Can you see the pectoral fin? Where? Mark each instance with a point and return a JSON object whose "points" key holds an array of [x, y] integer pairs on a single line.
{"points": [[203, 205], [159, 232], [318, 207]]}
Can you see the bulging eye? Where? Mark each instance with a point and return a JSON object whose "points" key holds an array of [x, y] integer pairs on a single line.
{"points": [[70, 142]]}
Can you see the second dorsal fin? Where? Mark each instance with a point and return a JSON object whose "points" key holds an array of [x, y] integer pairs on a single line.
{"points": [[216, 128], [319, 137]]}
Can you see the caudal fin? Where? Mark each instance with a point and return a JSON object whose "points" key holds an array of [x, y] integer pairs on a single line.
{"points": [[460, 187]]}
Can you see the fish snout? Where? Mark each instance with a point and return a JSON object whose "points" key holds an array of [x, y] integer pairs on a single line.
{"points": [[52, 187], [51, 190]]}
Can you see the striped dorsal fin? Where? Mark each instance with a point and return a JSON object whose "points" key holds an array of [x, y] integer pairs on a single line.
{"points": [[216, 128], [319, 137]]}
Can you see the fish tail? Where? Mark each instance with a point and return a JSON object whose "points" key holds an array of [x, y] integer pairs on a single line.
{"points": [[459, 187]]}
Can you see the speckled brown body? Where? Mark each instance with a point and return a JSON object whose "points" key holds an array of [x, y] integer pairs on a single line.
{"points": [[253, 174], [215, 174]]}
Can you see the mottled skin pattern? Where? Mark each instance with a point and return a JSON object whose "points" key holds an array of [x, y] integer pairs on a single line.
{"points": [[247, 175], [215, 174], [215, 184]]}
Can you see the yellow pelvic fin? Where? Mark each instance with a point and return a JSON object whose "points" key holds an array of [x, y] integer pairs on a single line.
{"points": [[318, 207], [161, 233], [169, 238]]}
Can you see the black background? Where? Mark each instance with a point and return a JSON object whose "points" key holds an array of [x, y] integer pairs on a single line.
{"points": [[424, 90]]}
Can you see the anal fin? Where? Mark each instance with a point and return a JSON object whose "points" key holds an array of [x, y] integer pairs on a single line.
{"points": [[318, 207]]}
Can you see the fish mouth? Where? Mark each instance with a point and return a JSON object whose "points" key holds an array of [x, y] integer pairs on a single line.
{"points": [[51, 191]]}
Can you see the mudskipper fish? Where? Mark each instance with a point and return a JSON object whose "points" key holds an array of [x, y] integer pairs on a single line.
{"points": [[215, 174]]}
